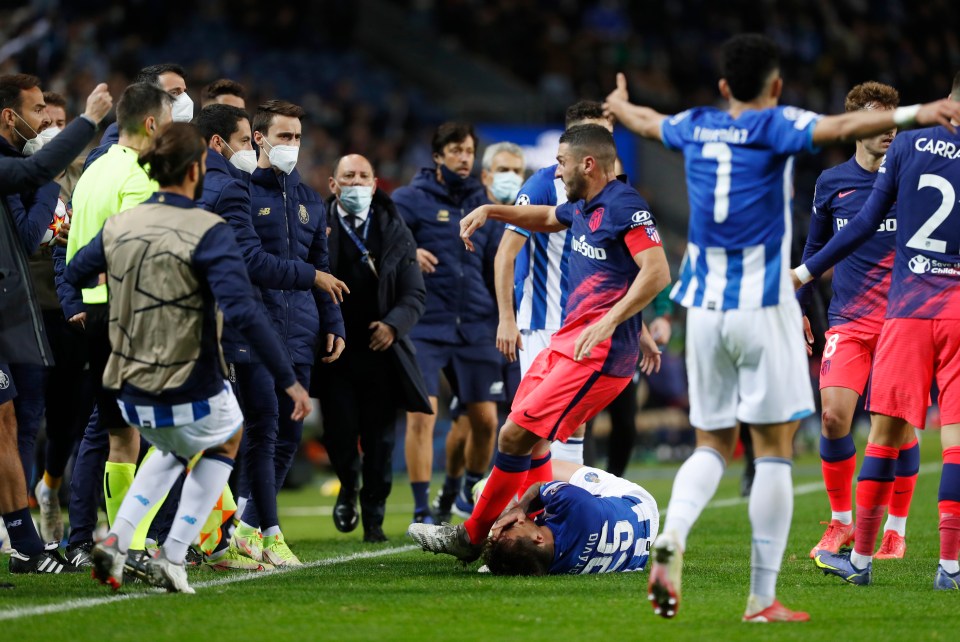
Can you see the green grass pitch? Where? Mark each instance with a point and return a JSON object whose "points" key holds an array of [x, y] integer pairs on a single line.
{"points": [[353, 591]]}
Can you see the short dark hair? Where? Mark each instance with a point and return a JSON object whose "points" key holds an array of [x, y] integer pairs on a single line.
{"points": [[171, 153], [12, 87], [152, 73], [747, 61], [451, 132], [138, 101], [222, 87], [581, 111], [221, 120], [520, 556], [592, 140], [263, 117], [55, 99], [871, 93]]}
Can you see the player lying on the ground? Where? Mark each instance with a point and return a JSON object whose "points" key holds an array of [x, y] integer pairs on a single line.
{"points": [[587, 521]]}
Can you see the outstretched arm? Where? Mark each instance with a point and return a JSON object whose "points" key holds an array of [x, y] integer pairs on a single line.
{"points": [[860, 124], [640, 120], [536, 218]]}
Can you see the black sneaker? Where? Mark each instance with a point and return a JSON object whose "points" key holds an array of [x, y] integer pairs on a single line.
{"points": [[48, 561], [135, 567], [194, 558], [442, 507], [79, 555], [374, 535]]}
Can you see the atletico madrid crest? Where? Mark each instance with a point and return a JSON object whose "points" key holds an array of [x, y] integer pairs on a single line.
{"points": [[595, 219]]}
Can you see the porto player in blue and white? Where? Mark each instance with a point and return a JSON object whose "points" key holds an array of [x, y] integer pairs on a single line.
{"points": [[586, 521], [531, 274], [746, 359], [920, 339], [861, 283]]}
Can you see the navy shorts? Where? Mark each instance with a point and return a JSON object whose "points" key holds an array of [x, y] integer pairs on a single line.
{"points": [[474, 372], [7, 390]]}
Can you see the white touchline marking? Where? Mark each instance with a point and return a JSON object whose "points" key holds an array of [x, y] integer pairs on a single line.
{"points": [[72, 605], [85, 603]]}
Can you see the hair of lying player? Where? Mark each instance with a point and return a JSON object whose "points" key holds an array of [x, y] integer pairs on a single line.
{"points": [[172, 152], [138, 101], [871, 94], [520, 556], [222, 120], [591, 140], [747, 62]]}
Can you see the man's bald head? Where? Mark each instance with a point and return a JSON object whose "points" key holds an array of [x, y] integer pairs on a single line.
{"points": [[355, 163]]}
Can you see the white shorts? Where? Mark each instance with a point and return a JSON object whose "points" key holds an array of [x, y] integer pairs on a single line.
{"points": [[600, 483], [534, 342], [189, 428], [747, 365]]}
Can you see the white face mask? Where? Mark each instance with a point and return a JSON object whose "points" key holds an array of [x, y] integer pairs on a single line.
{"points": [[245, 160], [506, 186], [49, 134], [283, 157], [355, 199], [182, 109], [32, 145]]}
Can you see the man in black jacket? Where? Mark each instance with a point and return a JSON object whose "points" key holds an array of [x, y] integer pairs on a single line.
{"points": [[371, 250], [21, 336]]}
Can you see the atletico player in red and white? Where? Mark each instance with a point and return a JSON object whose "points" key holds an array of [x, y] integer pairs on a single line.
{"points": [[617, 266]]}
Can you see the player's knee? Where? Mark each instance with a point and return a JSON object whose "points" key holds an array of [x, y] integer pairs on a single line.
{"points": [[515, 440], [835, 424]]}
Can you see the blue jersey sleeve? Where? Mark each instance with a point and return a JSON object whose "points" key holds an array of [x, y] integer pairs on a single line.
{"points": [[789, 130], [674, 131], [818, 235], [565, 212]]}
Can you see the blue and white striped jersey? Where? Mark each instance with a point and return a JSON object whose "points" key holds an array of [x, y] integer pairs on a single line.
{"points": [[540, 277], [740, 183]]}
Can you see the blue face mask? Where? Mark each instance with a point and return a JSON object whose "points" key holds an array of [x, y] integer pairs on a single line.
{"points": [[506, 186], [355, 199]]}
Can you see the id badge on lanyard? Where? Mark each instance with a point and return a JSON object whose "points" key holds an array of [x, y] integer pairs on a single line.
{"points": [[364, 252]]}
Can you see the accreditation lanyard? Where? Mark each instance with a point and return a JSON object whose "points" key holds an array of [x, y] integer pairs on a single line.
{"points": [[364, 252]]}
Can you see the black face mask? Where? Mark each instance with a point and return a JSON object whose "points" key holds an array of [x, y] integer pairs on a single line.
{"points": [[451, 179]]}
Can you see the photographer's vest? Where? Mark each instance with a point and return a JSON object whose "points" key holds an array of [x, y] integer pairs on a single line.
{"points": [[157, 308]]}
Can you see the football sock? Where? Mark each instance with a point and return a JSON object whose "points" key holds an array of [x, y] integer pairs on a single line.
{"points": [[157, 475], [695, 484], [771, 511], [241, 504], [838, 461], [116, 481], [139, 541], [271, 531], [23, 536], [949, 505], [201, 489], [571, 450], [908, 466], [470, 478], [541, 470], [211, 535], [509, 472], [452, 486], [50, 482], [874, 487], [421, 497]]}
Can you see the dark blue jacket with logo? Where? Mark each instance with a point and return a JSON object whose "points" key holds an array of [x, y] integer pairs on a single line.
{"points": [[291, 221], [461, 304], [226, 192]]}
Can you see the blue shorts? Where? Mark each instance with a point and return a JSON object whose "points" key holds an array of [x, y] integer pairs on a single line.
{"points": [[475, 372], [7, 390]]}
